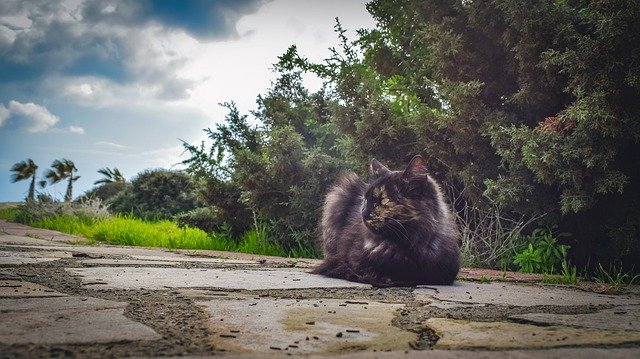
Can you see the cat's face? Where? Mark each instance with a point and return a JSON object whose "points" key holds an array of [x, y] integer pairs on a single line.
{"points": [[394, 197]]}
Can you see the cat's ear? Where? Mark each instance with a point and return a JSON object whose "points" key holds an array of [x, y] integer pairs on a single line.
{"points": [[417, 168], [378, 169]]}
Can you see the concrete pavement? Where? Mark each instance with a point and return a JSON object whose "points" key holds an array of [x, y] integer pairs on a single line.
{"points": [[62, 296]]}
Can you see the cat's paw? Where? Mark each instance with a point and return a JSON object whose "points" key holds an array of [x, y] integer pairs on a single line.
{"points": [[382, 282]]}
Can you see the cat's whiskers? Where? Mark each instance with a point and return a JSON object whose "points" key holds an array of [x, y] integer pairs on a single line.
{"points": [[401, 232]]}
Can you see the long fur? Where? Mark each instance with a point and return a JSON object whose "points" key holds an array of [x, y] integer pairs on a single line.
{"points": [[395, 231]]}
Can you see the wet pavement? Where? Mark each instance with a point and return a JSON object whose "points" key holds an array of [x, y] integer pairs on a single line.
{"points": [[60, 295]]}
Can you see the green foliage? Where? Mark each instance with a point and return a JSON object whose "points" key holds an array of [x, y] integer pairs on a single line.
{"points": [[614, 276], [110, 176], [542, 254], [25, 170], [568, 275], [529, 260], [157, 194], [104, 192], [527, 113], [32, 212], [8, 213], [277, 173], [204, 218], [62, 170]]}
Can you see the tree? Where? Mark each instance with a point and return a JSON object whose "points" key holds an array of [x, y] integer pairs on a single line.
{"points": [[276, 172], [24, 170], [61, 170], [529, 108], [110, 176]]}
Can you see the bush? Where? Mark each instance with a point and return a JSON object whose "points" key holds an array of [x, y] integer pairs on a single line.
{"points": [[205, 218], [156, 194], [30, 212], [104, 192]]}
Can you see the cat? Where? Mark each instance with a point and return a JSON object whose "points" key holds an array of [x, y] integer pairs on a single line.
{"points": [[395, 231]]}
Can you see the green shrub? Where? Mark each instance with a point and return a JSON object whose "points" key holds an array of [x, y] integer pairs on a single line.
{"points": [[31, 212], [157, 194], [8, 213], [205, 218], [542, 253], [104, 192]]}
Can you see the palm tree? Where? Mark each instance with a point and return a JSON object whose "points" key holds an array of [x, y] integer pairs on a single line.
{"points": [[62, 170], [110, 176], [24, 170]]}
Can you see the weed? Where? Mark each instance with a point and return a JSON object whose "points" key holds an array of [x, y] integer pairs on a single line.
{"points": [[615, 276], [542, 254], [484, 279], [488, 236], [529, 260], [569, 275]]}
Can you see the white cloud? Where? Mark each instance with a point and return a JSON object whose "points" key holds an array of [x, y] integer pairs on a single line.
{"points": [[4, 114], [34, 118], [76, 129], [110, 144]]}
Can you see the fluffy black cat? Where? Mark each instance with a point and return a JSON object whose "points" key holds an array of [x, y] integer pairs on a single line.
{"points": [[397, 230]]}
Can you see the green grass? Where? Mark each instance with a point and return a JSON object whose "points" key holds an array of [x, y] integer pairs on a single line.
{"points": [[8, 213], [130, 231], [569, 275], [615, 276]]}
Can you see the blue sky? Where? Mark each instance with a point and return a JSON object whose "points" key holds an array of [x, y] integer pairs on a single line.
{"points": [[119, 83]]}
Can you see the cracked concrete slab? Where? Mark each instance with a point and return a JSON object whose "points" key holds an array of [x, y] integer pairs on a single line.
{"points": [[8, 239], [500, 293], [556, 353], [31, 257], [271, 325], [101, 250], [163, 260], [124, 262], [68, 320], [179, 258], [618, 318], [463, 334], [22, 289], [162, 278]]}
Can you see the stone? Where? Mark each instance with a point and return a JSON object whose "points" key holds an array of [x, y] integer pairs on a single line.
{"points": [[269, 325], [22, 289], [526, 295], [462, 334], [161, 278], [68, 320], [617, 318]]}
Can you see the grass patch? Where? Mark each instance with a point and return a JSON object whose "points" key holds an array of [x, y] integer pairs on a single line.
{"points": [[8, 213], [130, 231], [615, 276]]}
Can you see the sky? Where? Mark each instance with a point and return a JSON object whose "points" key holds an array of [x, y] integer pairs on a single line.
{"points": [[119, 83]]}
